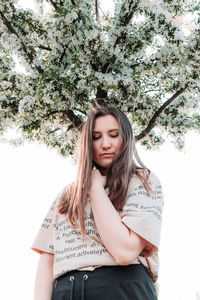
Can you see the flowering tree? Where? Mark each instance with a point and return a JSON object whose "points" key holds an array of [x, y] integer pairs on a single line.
{"points": [[143, 58]]}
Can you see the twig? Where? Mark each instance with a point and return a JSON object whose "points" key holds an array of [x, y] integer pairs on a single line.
{"points": [[44, 48], [97, 10], [127, 18], [53, 4], [157, 113], [12, 30]]}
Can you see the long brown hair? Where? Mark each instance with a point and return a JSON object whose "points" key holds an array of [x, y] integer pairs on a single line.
{"points": [[118, 175]]}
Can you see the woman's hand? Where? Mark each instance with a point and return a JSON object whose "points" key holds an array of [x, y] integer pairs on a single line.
{"points": [[97, 180], [123, 244]]}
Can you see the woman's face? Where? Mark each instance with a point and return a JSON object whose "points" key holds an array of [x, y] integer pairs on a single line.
{"points": [[107, 141]]}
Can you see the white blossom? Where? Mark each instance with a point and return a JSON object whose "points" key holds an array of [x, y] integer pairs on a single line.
{"points": [[69, 58]]}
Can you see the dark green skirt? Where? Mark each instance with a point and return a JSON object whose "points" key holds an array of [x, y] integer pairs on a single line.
{"points": [[108, 282]]}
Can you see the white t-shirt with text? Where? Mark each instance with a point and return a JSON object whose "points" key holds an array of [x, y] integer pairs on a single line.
{"points": [[141, 213]]}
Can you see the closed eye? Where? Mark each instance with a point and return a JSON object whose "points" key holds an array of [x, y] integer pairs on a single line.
{"points": [[98, 137], [116, 135]]}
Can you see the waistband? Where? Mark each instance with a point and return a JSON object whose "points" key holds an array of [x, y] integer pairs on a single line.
{"points": [[105, 275], [99, 277]]}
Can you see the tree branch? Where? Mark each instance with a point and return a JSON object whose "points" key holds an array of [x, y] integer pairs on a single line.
{"points": [[81, 111], [53, 131], [101, 93], [126, 20], [143, 62], [35, 27], [76, 121], [57, 129], [53, 4], [157, 113], [44, 48], [149, 91], [97, 10], [12, 30], [62, 55]]}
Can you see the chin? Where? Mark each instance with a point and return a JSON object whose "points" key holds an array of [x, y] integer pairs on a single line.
{"points": [[105, 165], [102, 165]]}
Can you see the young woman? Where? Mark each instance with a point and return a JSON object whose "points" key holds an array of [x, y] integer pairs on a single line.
{"points": [[101, 235]]}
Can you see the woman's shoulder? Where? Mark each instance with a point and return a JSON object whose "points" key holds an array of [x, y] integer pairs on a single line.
{"points": [[146, 174], [63, 192], [151, 189], [67, 187], [154, 180], [143, 175]]}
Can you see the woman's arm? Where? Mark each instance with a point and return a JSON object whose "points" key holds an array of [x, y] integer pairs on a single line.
{"points": [[122, 243], [44, 277]]}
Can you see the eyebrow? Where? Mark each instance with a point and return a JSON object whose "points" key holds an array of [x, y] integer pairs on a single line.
{"points": [[115, 129]]}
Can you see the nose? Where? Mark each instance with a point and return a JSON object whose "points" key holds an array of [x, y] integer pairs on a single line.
{"points": [[106, 143]]}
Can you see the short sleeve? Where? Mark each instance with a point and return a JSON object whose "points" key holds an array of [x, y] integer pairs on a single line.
{"points": [[143, 213], [44, 241]]}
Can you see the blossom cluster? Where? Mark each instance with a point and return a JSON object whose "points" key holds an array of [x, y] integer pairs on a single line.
{"points": [[137, 58]]}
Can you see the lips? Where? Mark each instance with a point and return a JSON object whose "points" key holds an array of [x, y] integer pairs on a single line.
{"points": [[107, 154]]}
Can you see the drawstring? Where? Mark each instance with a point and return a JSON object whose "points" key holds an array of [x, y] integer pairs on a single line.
{"points": [[85, 277], [72, 287], [72, 279]]}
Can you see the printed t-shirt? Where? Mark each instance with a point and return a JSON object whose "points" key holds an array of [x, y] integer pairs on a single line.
{"points": [[141, 213]]}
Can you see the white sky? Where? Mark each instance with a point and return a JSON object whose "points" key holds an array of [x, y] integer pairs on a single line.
{"points": [[31, 176]]}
